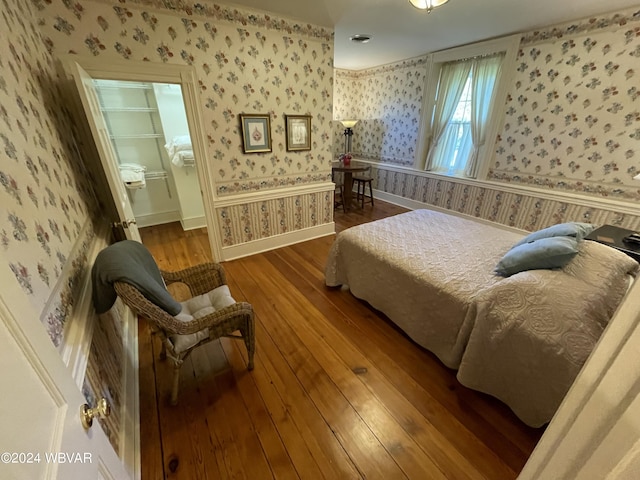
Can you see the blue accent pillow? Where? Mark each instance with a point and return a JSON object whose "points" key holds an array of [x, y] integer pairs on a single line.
{"points": [[550, 252], [570, 229]]}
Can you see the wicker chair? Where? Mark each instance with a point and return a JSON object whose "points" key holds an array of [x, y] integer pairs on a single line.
{"points": [[180, 337]]}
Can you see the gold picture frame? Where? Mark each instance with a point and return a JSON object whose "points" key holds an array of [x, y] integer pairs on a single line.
{"points": [[298, 129], [256, 132]]}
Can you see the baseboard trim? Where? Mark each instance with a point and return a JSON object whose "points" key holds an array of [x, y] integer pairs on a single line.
{"points": [[157, 218], [193, 222], [277, 241]]}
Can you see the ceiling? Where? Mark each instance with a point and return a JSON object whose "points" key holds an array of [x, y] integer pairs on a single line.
{"points": [[400, 31]]}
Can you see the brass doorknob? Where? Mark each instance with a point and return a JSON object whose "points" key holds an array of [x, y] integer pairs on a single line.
{"points": [[87, 414]]}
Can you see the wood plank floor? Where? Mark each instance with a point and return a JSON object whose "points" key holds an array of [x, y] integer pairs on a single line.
{"points": [[337, 391]]}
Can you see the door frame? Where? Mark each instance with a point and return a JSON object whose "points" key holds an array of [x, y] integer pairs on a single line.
{"points": [[185, 76]]}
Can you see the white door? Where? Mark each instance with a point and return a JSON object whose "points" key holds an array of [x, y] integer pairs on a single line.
{"points": [[100, 134], [41, 435]]}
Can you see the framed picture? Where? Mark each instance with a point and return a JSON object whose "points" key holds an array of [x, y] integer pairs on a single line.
{"points": [[256, 133], [298, 132]]}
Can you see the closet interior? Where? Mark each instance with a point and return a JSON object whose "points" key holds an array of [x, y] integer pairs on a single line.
{"points": [[149, 132]]}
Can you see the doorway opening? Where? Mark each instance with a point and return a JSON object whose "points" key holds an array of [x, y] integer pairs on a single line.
{"points": [[148, 129]]}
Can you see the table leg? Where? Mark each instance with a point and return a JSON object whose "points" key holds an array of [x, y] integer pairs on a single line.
{"points": [[348, 190]]}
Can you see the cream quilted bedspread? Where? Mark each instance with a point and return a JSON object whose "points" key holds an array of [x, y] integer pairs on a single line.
{"points": [[522, 339], [423, 269]]}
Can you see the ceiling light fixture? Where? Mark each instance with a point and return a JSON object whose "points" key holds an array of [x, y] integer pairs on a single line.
{"points": [[360, 37], [427, 5]]}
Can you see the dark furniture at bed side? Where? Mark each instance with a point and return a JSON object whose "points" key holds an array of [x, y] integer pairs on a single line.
{"points": [[614, 237]]}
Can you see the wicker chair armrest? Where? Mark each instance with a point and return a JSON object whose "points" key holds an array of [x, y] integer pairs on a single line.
{"points": [[132, 297], [136, 301], [200, 279]]}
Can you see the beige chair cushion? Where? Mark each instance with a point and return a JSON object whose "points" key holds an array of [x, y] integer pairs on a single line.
{"points": [[198, 307]]}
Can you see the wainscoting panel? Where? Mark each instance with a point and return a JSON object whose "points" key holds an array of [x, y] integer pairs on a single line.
{"points": [[258, 222], [525, 209]]}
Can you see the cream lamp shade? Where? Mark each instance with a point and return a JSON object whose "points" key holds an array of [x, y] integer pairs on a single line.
{"points": [[348, 123]]}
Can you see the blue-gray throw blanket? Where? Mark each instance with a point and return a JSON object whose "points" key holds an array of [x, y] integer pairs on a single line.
{"points": [[129, 261]]}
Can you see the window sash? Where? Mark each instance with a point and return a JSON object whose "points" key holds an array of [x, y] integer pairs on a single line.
{"points": [[453, 151]]}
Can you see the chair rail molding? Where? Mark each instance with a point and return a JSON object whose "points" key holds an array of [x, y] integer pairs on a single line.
{"points": [[274, 194]]}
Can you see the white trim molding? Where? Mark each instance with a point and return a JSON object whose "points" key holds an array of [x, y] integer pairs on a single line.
{"points": [[192, 223], [158, 218], [277, 241], [267, 195]]}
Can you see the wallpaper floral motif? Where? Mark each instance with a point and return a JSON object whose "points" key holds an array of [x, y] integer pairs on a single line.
{"points": [[572, 120], [573, 111], [45, 201], [387, 102], [245, 63], [47, 207]]}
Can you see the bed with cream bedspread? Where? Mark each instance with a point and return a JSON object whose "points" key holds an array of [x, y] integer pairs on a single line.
{"points": [[522, 339]]}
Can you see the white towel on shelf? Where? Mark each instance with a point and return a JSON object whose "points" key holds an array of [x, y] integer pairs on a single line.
{"points": [[183, 159], [178, 144]]}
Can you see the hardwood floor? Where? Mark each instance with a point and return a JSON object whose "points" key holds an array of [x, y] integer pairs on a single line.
{"points": [[337, 391]]}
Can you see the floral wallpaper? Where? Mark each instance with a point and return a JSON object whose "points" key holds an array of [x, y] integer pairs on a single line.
{"points": [[48, 212], [245, 63], [387, 102], [573, 111], [46, 204], [572, 124]]}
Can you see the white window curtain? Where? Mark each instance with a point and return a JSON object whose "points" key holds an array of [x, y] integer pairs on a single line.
{"points": [[453, 77], [486, 71], [454, 148]]}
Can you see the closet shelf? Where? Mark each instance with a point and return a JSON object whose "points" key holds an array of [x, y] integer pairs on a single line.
{"points": [[135, 136], [115, 84], [129, 109], [156, 175]]}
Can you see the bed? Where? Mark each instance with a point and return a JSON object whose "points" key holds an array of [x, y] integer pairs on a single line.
{"points": [[521, 338]]}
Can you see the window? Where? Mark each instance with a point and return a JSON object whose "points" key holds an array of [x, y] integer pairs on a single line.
{"points": [[454, 148], [458, 100]]}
